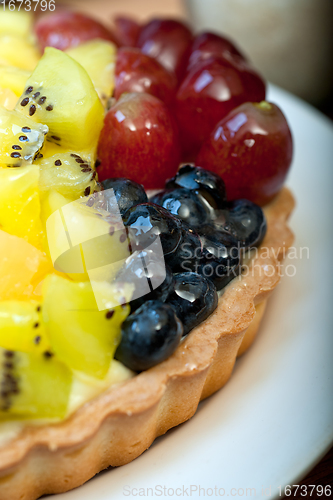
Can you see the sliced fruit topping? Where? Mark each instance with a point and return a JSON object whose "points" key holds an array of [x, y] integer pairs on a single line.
{"points": [[68, 29], [22, 268], [98, 58], [33, 385], [137, 72], [194, 299], [251, 148], [81, 335], [139, 140], [149, 336], [15, 22], [128, 193], [60, 94], [69, 174], [19, 52], [168, 41], [21, 327], [207, 94], [13, 78], [21, 138], [20, 204], [7, 98]]}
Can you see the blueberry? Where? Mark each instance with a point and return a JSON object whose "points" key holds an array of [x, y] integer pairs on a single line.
{"points": [[194, 298], [149, 336], [198, 179], [221, 257], [185, 204], [244, 221], [147, 221], [128, 193], [189, 252]]}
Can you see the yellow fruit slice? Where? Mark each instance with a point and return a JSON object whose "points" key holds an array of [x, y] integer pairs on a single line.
{"points": [[22, 268], [21, 327], [7, 98], [60, 94], [20, 138], [18, 52], [20, 204], [81, 335], [98, 58], [15, 22], [13, 78], [33, 385]]}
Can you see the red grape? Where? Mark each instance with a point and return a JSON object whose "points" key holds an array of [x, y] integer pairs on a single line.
{"points": [[137, 72], [168, 41], [209, 44], [67, 29], [139, 141], [127, 31], [207, 94], [251, 149]]}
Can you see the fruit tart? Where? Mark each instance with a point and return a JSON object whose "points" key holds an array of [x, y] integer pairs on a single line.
{"points": [[143, 219]]}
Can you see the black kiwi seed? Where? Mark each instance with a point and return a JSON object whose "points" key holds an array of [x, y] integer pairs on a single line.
{"points": [[109, 314], [97, 163], [15, 155], [37, 339], [26, 129], [73, 155], [49, 107], [111, 231], [94, 174], [86, 169], [8, 365], [15, 146], [23, 138], [48, 354], [90, 202], [36, 325], [79, 160], [122, 237], [38, 309], [56, 138], [36, 95], [57, 163], [25, 101], [42, 100], [29, 90], [87, 191], [32, 110], [9, 354]]}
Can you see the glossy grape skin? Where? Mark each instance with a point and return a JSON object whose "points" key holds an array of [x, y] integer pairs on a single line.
{"points": [[221, 256], [139, 141], [66, 29], [168, 41], [209, 44], [202, 181], [128, 193], [208, 93], [244, 221], [146, 222], [149, 336], [251, 148], [137, 72], [185, 204], [194, 299], [127, 31]]}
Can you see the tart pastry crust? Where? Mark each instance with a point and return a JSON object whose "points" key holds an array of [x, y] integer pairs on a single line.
{"points": [[122, 423]]}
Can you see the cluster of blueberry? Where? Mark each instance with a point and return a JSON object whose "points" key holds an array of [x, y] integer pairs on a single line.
{"points": [[202, 236]]}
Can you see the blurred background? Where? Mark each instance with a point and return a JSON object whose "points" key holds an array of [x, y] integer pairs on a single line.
{"points": [[289, 41]]}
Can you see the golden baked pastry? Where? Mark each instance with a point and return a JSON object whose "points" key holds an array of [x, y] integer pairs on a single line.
{"points": [[122, 423]]}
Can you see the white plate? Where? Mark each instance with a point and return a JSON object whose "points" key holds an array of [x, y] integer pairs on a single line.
{"points": [[274, 419]]}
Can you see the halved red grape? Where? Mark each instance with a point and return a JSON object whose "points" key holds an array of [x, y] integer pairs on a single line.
{"points": [[251, 149], [209, 44], [137, 72], [207, 94], [168, 41], [66, 29], [127, 31], [139, 141]]}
